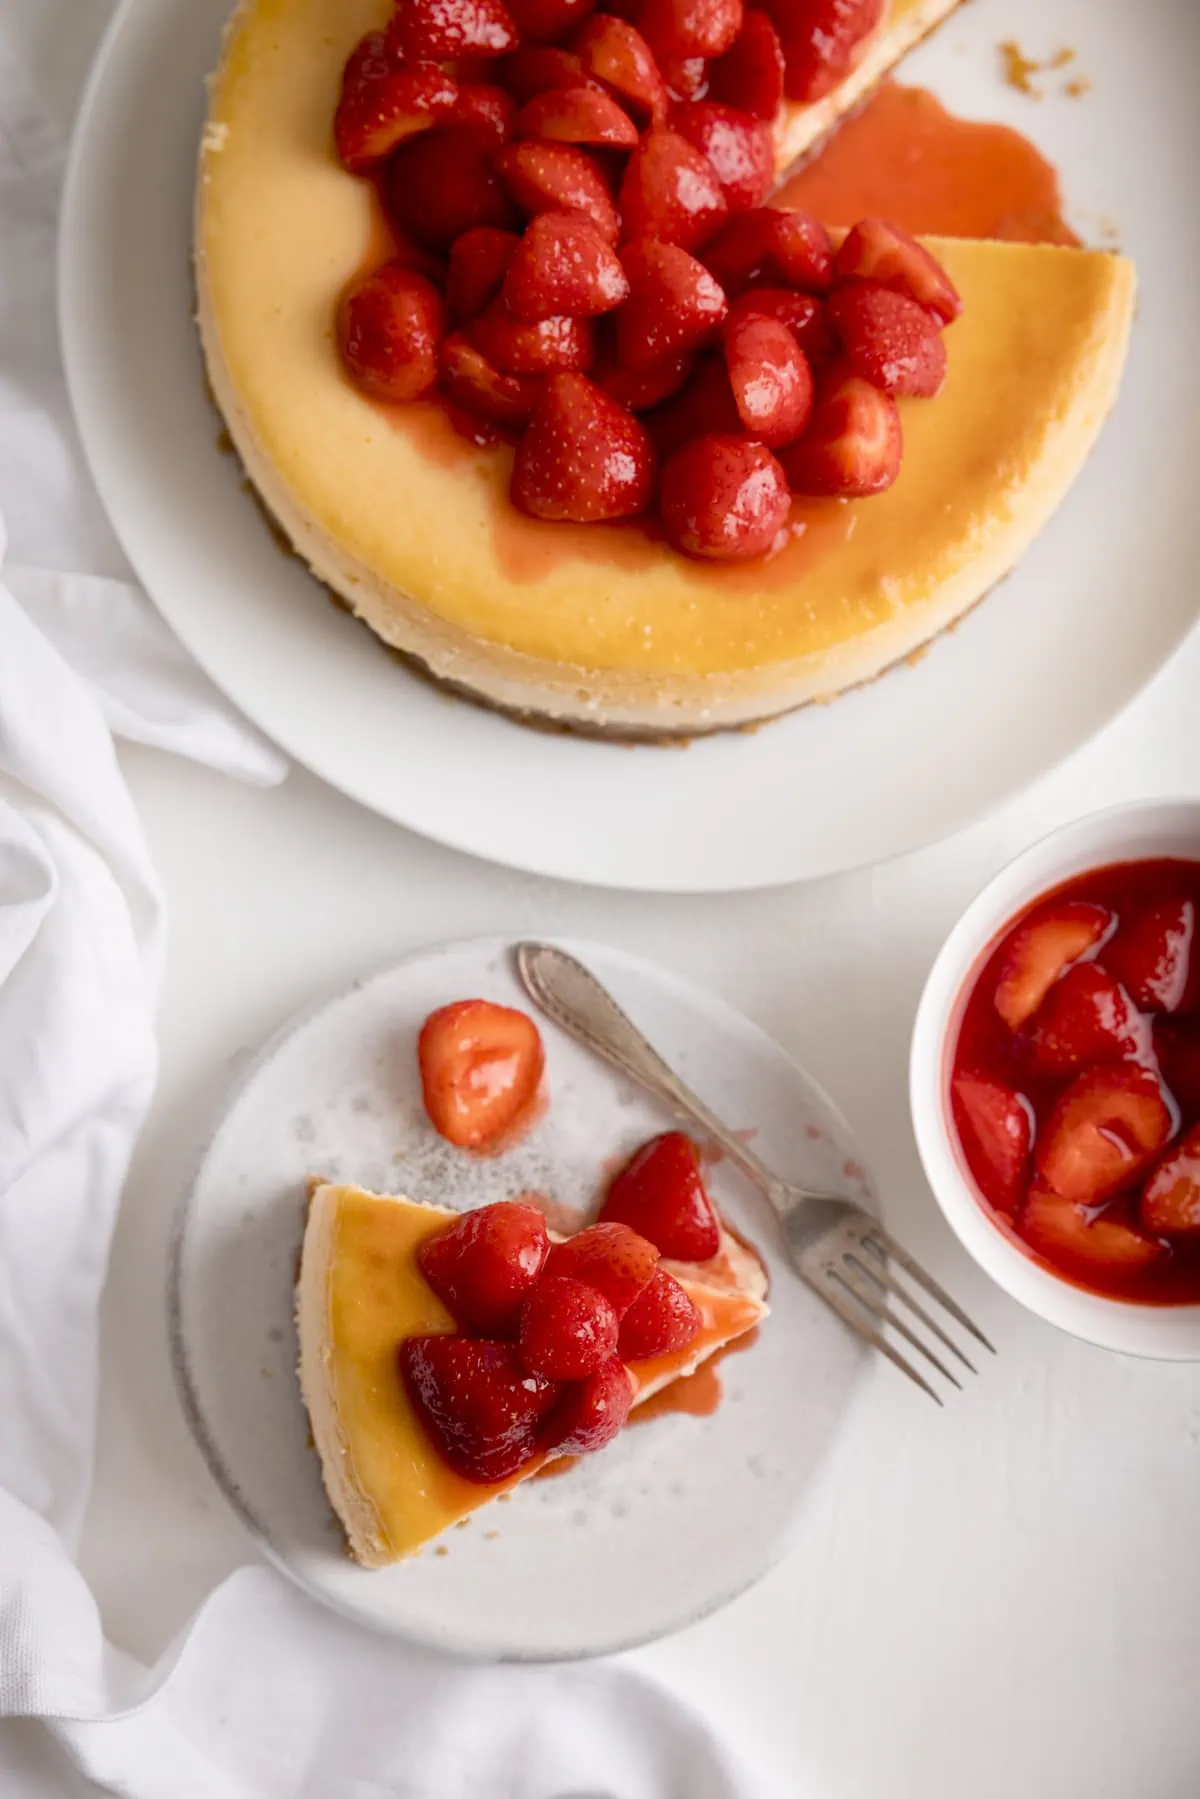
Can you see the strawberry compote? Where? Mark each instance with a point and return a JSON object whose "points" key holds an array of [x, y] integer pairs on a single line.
{"points": [[1075, 1081]]}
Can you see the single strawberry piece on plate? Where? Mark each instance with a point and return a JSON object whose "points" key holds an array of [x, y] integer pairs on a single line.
{"points": [[549, 21], [441, 30], [384, 101], [488, 111], [822, 41], [674, 305], [771, 380], [483, 1409], [591, 1413], [803, 315], [478, 260], [738, 146], [443, 184], [484, 1265], [750, 74], [525, 347], [888, 339], [613, 51], [639, 389], [995, 1126], [471, 381], [1170, 1202], [609, 1257], [770, 247], [723, 499], [533, 68], [583, 457], [703, 407], [1152, 952], [670, 192], [1041, 950], [546, 177], [1066, 1234], [661, 1321], [563, 267], [390, 327], [680, 29], [1102, 1131], [877, 250], [1177, 1047], [660, 1193], [853, 444], [481, 1067], [568, 1329], [1087, 1017], [577, 115]]}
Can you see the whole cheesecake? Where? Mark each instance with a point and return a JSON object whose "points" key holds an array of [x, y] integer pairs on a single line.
{"points": [[604, 627]]}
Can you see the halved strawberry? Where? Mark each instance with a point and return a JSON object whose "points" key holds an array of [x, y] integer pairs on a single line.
{"points": [[549, 21], [686, 77], [670, 192], [674, 305], [1066, 1234], [1087, 1017], [441, 185], [533, 68], [486, 110], [383, 102], [638, 389], [822, 41], [613, 51], [559, 178], [1041, 950], [853, 443], [568, 1329], [390, 326], [577, 115], [681, 29], [995, 1126], [661, 1321], [474, 428], [723, 499], [563, 266], [483, 1266], [703, 407], [1102, 1131], [888, 339], [583, 457], [1152, 952], [1170, 1202], [771, 380], [440, 30], [770, 247], [478, 260], [481, 1066], [471, 381], [484, 1412], [660, 1193], [1177, 1047], [803, 315], [750, 74], [877, 250], [519, 347], [609, 1257], [739, 147], [591, 1413]]}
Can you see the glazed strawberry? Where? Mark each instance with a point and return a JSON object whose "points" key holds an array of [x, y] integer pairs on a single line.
{"points": [[483, 1266], [484, 1412], [1087, 1017], [674, 305], [383, 102], [609, 1257], [704, 407], [440, 30], [771, 381], [406, 254], [559, 178], [768, 247], [568, 1329], [613, 51], [853, 443], [738, 146], [1102, 1131], [591, 1413], [670, 192], [1152, 954], [478, 260], [682, 29], [519, 347], [639, 389], [1063, 1232], [549, 21], [1177, 1048], [660, 1193], [481, 1067], [577, 115], [533, 68], [1170, 1202], [686, 78], [750, 74], [723, 499], [661, 1321], [489, 112], [583, 457], [1042, 950], [888, 339], [563, 266], [471, 381], [801, 313], [877, 250], [390, 326], [995, 1126], [822, 40], [443, 184]]}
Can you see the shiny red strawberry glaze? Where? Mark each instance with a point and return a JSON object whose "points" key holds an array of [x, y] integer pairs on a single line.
{"points": [[984, 1045]]}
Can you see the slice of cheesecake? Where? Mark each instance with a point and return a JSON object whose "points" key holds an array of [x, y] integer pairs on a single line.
{"points": [[361, 1293]]}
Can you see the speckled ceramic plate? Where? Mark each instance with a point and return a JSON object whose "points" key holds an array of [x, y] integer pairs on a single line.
{"points": [[675, 1517]]}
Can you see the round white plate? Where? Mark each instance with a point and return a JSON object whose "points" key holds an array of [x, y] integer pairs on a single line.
{"points": [[676, 1516], [1102, 599]]}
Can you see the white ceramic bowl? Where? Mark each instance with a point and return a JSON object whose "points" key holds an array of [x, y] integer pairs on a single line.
{"points": [[1146, 829]]}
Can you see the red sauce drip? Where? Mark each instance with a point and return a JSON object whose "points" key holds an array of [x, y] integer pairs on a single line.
{"points": [[697, 1394], [904, 157]]}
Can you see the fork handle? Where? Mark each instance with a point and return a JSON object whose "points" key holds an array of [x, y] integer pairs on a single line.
{"points": [[575, 1000]]}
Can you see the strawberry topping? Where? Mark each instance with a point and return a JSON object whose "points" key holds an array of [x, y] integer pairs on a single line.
{"points": [[876, 250], [583, 456], [670, 191], [674, 305], [768, 247], [548, 177], [723, 499], [822, 41], [483, 1409], [1064, 1232], [1087, 1017], [661, 1321], [771, 381], [1152, 952], [442, 184], [609, 1257], [738, 146], [383, 102], [1043, 949], [478, 260], [612, 51], [591, 1413], [996, 1128], [660, 1193], [484, 1265], [568, 1329], [853, 443], [1170, 1202], [888, 339], [389, 330], [440, 30], [563, 266], [1102, 1132], [750, 74]]}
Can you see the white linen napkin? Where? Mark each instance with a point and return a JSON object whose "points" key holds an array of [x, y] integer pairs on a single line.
{"points": [[264, 1696]]}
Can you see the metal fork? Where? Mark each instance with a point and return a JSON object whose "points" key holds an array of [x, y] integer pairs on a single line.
{"points": [[843, 1254]]}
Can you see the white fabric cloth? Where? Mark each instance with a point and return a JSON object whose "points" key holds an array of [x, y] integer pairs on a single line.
{"points": [[265, 1696]]}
